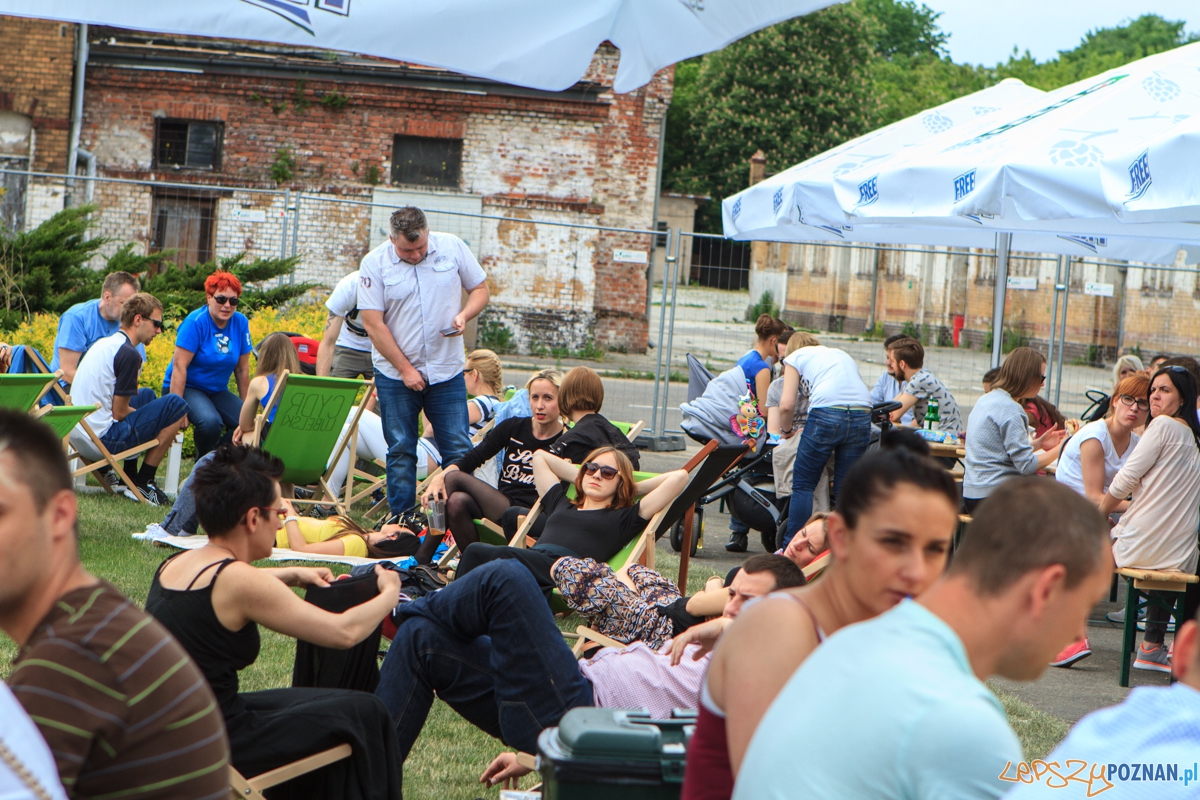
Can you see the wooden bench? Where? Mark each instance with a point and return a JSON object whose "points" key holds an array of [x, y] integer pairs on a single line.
{"points": [[1139, 583]]}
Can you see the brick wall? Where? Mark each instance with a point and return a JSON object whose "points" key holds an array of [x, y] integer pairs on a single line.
{"points": [[526, 156], [36, 65]]}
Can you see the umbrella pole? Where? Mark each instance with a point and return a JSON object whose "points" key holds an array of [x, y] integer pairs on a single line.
{"points": [[1062, 329], [1003, 243], [1053, 318]]}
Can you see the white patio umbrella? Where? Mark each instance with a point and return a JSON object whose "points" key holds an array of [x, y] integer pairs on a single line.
{"points": [[1157, 179], [1036, 167], [536, 43]]}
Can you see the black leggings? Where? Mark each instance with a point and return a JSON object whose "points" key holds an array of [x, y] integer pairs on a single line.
{"points": [[469, 499], [1156, 617]]}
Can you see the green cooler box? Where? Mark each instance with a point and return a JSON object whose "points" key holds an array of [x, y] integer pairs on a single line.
{"points": [[608, 752]]}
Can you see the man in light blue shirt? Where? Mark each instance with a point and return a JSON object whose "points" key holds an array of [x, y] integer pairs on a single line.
{"points": [[1147, 746], [889, 386], [410, 303], [84, 324], [895, 707]]}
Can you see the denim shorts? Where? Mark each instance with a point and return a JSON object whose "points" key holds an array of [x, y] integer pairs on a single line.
{"points": [[144, 424]]}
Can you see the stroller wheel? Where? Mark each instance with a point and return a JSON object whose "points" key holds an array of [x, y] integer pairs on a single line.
{"points": [[697, 530]]}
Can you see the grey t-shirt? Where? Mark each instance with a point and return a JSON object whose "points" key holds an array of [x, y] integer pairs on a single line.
{"points": [[925, 387], [775, 394]]}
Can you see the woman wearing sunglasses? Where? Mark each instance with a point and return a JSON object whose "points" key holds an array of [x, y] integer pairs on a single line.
{"points": [[212, 344], [1158, 530], [998, 443], [602, 518]]}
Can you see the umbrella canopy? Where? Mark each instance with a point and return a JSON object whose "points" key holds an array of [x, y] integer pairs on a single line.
{"points": [[1036, 167], [535, 43], [1157, 179]]}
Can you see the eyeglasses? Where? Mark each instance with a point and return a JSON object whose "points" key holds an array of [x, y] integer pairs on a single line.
{"points": [[158, 324], [606, 472], [267, 510], [222, 300], [1130, 400], [1043, 379]]}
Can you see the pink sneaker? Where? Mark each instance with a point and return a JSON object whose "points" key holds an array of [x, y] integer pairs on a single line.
{"points": [[1076, 651]]}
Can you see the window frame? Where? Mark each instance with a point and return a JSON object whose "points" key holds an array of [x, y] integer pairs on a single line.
{"points": [[218, 149], [394, 178]]}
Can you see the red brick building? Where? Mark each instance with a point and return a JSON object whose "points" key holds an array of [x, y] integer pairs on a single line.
{"points": [[229, 118]]}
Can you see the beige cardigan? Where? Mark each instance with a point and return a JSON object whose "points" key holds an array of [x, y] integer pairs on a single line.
{"points": [[1163, 475]]}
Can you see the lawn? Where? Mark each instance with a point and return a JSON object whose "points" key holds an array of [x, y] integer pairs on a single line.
{"points": [[450, 755]]}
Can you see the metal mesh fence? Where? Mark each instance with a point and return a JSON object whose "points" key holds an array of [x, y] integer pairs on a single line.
{"points": [[566, 292]]}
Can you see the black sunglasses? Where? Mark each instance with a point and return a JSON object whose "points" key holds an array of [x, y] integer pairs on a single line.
{"points": [[158, 324], [606, 472], [1173, 368], [222, 300]]}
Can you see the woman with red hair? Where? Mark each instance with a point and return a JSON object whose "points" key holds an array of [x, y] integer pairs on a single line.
{"points": [[211, 345]]}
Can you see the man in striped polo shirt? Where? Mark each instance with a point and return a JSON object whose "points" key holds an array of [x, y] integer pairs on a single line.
{"points": [[123, 708]]}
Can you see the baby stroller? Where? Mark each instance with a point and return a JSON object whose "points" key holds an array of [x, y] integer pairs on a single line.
{"points": [[748, 488]]}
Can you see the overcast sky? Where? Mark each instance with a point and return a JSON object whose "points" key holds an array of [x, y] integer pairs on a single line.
{"points": [[985, 31]]}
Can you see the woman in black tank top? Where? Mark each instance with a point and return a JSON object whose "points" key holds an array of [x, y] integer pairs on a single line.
{"points": [[212, 600]]}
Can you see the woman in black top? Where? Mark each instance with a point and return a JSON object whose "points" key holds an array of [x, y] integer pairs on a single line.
{"points": [[212, 600], [601, 519], [467, 497], [580, 399]]}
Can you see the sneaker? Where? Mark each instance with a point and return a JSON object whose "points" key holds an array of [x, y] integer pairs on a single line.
{"points": [[321, 512], [738, 542], [1076, 651], [114, 481], [154, 532], [1156, 659], [154, 496]]}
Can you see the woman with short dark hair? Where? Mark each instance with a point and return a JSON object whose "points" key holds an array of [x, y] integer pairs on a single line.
{"points": [[212, 599]]}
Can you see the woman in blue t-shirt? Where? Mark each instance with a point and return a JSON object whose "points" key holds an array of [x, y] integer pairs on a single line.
{"points": [[757, 363], [211, 345]]}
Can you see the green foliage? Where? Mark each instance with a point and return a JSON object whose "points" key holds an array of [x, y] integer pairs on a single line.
{"points": [[284, 166], [1101, 49], [1013, 338], [182, 290], [873, 334], [45, 269], [334, 101], [765, 305], [791, 90], [371, 175], [494, 334], [911, 330], [901, 28], [300, 101]]}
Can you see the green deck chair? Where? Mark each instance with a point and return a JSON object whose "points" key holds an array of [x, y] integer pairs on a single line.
{"points": [[21, 392], [307, 428], [63, 419]]}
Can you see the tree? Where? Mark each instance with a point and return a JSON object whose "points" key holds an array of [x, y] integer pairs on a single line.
{"points": [[791, 90], [45, 269], [1101, 49], [901, 28]]}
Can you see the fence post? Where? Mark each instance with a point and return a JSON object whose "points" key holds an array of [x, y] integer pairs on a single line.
{"points": [[1003, 243], [1053, 321], [874, 291], [673, 261], [295, 233], [1124, 273], [662, 322], [1062, 329]]}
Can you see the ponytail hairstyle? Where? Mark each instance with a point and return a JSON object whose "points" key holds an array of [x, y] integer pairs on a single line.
{"points": [[903, 457], [487, 364], [767, 326]]}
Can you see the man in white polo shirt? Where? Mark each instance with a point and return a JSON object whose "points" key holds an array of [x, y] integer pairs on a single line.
{"points": [[345, 350], [108, 377], [410, 302]]}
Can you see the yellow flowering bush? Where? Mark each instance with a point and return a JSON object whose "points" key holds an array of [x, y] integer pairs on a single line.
{"points": [[304, 318]]}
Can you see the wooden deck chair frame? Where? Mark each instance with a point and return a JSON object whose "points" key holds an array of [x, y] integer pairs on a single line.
{"points": [[254, 787], [63, 419], [36, 358], [113, 460], [351, 438]]}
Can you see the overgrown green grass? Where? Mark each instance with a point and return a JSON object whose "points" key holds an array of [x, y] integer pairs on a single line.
{"points": [[451, 754]]}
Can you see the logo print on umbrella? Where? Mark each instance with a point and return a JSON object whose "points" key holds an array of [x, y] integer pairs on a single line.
{"points": [[295, 11], [737, 207], [1139, 177], [1160, 88], [937, 123], [868, 192], [1070, 153], [777, 200], [963, 185]]}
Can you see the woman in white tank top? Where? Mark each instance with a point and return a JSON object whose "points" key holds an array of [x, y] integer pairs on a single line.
{"points": [[1094, 455]]}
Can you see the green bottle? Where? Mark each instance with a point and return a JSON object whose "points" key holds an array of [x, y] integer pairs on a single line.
{"points": [[932, 417]]}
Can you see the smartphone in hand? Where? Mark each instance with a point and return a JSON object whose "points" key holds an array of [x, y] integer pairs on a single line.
{"points": [[451, 331]]}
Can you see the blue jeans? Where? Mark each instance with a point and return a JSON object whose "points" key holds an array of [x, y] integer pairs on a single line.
{"points": [[488, 646], [181, 519], [150, 415], [828, 431], [210, 414], [445, 406]]}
